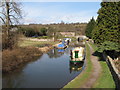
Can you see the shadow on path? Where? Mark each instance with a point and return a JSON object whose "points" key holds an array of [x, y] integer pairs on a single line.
{"points": [[99, 55]]}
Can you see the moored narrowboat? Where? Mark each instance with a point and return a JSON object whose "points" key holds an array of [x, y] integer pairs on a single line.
{"points": [[61, 46], [77, 54]]}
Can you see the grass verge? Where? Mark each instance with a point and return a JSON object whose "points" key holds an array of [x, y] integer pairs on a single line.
{"points": [[26, 43], [105, 80], [81, 79]]}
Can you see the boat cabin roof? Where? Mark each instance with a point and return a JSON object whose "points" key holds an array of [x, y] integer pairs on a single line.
{"points": [[78, 49]]}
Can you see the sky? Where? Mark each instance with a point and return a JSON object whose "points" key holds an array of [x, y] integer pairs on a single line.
{"points": [[55, 12]]}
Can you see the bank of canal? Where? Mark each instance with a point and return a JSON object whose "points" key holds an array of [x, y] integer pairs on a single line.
{"points": [[51, 70]]}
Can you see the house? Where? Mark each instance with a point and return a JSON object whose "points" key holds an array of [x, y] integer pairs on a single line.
{"points": [[68, 34]]}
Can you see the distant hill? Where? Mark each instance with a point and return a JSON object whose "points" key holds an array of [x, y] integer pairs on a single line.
{"points": [[78, 28]]}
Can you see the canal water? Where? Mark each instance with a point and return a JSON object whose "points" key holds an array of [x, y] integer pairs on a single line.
{"points": [[51, 70]]}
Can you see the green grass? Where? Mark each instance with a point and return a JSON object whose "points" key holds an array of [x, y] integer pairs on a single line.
{"points": [[81, 79], [26, 43], [105, 80], [44, 37]]}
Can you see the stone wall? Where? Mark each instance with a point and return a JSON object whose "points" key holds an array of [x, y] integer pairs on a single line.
{"points": [[114, 71]]}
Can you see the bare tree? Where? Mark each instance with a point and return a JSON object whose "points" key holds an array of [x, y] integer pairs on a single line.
{"points": [[10, 13]]}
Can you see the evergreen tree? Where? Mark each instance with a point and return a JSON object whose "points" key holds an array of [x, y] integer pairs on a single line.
{"points": [[106, 32], [90, 27], [107, 24]]}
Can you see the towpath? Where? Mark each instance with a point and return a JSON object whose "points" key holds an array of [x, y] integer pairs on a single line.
{"points": [[95, 72]]}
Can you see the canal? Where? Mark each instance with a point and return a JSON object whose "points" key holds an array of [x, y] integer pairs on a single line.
{"points": [[52, 70]]}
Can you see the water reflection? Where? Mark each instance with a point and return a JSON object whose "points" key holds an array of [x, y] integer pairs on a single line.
{"points": [[75, 67], [10, 80], [61, 50], [45, 72], [55, 53], [14, 79]]}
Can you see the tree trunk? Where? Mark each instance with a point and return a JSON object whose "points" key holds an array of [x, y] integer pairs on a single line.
{"points": [[7, 19], [8, 25], [54, 36]]}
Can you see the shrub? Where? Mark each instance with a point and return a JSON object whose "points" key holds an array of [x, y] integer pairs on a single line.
{"points": [[29, 32], [12, 59], [43, 31], [109, 46], [9, 42]]}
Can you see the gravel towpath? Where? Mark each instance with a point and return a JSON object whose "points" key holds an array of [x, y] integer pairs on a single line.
{"points": [[95, 72]]}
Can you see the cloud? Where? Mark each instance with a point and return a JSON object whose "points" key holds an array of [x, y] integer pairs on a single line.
{"points": [[54, 14], [56, 17]]}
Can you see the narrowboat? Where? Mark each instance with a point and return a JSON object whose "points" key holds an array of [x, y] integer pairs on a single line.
{"points": [[61, 46], [77, 54]]}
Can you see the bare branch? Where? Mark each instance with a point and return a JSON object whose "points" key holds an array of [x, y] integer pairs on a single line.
{"points": [[11, 13], [10, 21], [3, 13], [2, 19], [13, 16], [2, 4]]}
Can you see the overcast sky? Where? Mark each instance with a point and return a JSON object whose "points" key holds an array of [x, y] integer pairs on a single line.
{"points": [[55, 12]]}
